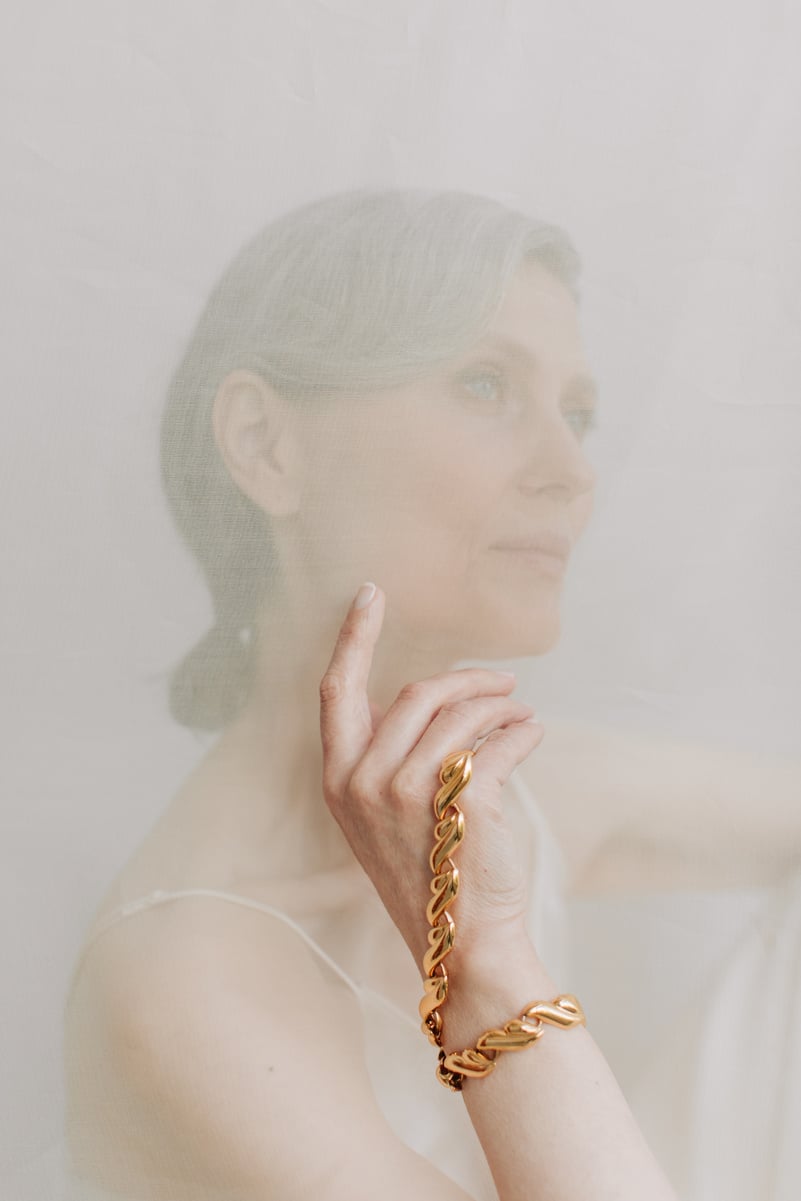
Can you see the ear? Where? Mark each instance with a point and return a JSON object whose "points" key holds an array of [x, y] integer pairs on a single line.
{"points": [[258, 442]]}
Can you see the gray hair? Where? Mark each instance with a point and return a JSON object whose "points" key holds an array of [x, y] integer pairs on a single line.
{"points": [[358, 291]]}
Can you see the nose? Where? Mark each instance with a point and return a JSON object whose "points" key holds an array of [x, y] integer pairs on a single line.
{"points": [[556, 463]]}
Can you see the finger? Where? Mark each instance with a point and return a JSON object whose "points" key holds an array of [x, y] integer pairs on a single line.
{"points": [[346, 724], [417, 704], [456, 727], [502, 751]]}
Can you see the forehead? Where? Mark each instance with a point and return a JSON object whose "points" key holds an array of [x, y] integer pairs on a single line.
{"points": [[539, 314]]}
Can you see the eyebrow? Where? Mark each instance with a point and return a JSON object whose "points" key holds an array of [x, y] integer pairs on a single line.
{"points": [[581, 385]]}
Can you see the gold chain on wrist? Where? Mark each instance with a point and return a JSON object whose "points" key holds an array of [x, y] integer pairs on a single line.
{"points": [[564, 1012], [516, 1035]]}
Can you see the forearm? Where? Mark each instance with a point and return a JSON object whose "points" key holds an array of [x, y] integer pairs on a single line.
{"points": [[551, 1118], [636, 811]]}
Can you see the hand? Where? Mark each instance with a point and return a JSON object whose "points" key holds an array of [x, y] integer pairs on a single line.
{"points": [[380, 775]]}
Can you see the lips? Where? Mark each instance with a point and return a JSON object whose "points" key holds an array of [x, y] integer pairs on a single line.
{"points": [[554, 545]]}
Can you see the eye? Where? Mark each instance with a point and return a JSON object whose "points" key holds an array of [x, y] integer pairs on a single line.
{"points": [[483, 384], [581, 421]]}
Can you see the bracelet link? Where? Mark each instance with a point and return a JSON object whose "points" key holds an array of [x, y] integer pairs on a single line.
{"points": [[516, 1035], [454, 775]]}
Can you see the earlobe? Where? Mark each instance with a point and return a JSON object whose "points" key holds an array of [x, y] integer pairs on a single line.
{"points": [[257, 441]]}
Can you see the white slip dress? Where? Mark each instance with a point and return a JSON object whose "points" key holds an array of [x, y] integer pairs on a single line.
{"points": [[694, 998], [428, 1118]]}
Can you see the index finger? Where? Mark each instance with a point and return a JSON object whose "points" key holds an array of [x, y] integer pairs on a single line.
{"points": [[345, 720]]}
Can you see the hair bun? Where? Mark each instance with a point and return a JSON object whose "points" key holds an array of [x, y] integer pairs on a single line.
{"points": [[212, 682]]}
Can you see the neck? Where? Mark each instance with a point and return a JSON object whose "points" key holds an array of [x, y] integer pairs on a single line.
{"points": [[275, 739]]}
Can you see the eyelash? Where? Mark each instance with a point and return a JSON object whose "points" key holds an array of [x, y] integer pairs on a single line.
{"points": [[587, 416]]}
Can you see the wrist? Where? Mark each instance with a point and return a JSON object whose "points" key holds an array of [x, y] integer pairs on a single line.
{"points": [[488, 985]]}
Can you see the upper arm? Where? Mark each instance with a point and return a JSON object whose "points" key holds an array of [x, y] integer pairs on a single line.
{"points": [[250, 1054]]}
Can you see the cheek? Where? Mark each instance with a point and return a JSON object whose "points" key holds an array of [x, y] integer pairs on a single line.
{"points": [[456, 488], [410, 489]]}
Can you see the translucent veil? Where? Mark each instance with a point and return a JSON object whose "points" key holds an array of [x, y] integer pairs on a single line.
{"points": [[646, 163]]}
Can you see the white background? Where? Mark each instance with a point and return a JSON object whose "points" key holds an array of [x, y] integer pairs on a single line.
{"points": [[142, 143]]}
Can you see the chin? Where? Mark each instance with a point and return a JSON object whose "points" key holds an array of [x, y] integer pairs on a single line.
{"points": [[540, 641], [536, 634]]}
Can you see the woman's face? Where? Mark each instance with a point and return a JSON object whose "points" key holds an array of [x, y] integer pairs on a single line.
{"points": [[463, 493]]}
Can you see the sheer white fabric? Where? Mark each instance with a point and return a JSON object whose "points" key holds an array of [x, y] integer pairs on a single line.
{"points": [[708, 1051], [683, 1010], [143, 145]]}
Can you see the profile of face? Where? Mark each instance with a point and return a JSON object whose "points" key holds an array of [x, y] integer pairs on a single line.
{"points": [[461, 493]]}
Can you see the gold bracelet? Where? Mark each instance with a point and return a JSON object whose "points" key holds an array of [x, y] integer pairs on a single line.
{"points": [[517, 1034]]}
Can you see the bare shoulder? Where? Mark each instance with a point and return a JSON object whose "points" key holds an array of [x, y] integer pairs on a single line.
{"points": [[215, 1036], [176, 963]]}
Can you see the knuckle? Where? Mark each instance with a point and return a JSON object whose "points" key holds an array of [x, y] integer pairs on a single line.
{"points": [[333, 686], [413, 692]]}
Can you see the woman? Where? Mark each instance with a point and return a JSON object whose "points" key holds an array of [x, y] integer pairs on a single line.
{"points": [[386, 387]]}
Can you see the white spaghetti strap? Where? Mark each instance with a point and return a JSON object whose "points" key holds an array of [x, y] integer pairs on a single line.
{"points": [[159, 897]]}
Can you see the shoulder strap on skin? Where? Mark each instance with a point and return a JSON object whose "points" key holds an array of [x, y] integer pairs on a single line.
{"points": [[160, 897]]}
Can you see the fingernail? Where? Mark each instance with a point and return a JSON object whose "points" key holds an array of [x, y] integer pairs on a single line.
{"points": [[364, 596], [510, 674], [533, 721]]}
